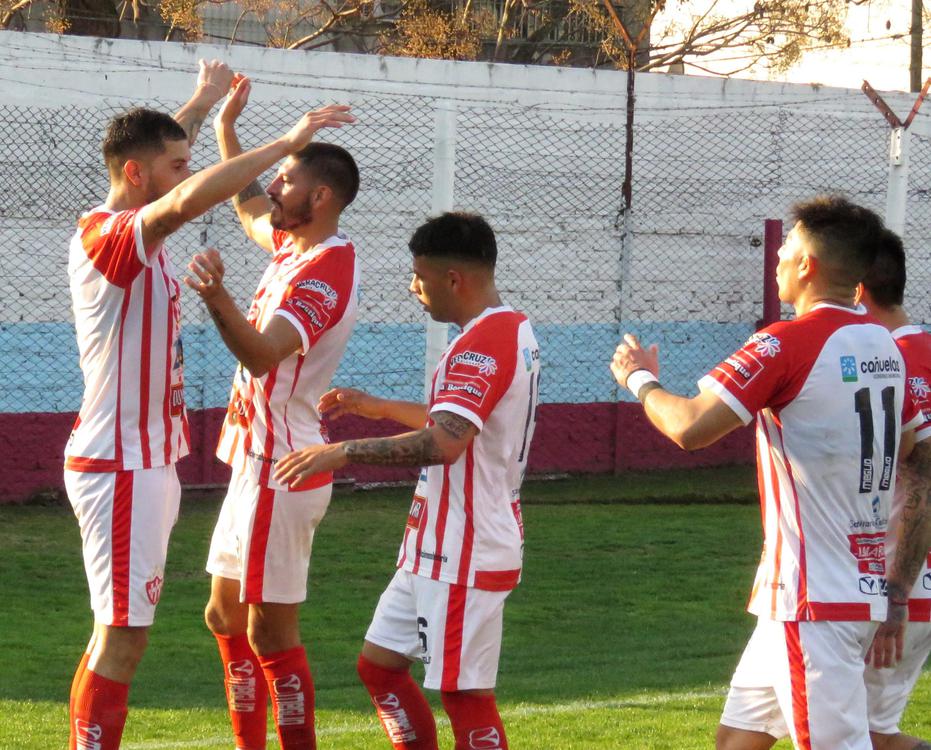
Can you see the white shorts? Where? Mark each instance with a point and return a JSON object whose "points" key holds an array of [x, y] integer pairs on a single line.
{"points": [[887, 690], [804, 680], [454, 630], [263, 539], [125, 518]]}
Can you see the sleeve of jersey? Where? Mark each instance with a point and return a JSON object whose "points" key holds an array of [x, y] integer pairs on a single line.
{"points": [[318, 296], [113, 243], [916, 406], [753, 377], [477, 374]]}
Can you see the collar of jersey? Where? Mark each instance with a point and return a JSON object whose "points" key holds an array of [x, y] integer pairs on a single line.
{"points": [[858, 310], [485, 313], [334, 240], [909, 330]]}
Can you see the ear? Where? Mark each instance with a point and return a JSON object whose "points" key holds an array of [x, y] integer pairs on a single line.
{"points": [[134, 172], [858, 293], [807, 266], [322, 195], [456, 278]]}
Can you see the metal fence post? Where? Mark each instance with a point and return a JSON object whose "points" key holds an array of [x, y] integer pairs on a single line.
{"points": [[772, 241], [897, 188], [444, 174]]}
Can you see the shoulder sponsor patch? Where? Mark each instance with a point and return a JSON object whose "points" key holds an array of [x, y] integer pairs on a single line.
{"points": [[765, 344], [920, 388], [311, 311], [330, 297], [741, 367], [484, 363], [470, 389]]}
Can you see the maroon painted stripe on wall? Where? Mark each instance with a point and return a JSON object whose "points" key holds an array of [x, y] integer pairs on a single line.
{"points": [[578, 438]]}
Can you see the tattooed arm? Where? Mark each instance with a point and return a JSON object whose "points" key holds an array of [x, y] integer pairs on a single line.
{"points": [[213, 81], [913, 543], [441, 443], [252, 205]]}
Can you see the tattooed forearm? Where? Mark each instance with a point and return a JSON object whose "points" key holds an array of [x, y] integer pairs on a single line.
{"points": [[191, 124], [452, 423], [217, 319], [914, 534], [413, 449], [251, 190]]}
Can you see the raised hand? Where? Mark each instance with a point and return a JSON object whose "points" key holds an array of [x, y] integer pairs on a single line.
{"points": [[214, 79], [208, 269], [331, 116], [340, 401], [630, 356], [236, 100]]}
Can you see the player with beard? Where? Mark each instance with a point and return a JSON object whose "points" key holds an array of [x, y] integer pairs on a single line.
{"points": [[132, 428], [288, 347]]}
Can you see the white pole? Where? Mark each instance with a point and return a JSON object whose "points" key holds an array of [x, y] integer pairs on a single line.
{"points": [[444, 173], [897, 190]]}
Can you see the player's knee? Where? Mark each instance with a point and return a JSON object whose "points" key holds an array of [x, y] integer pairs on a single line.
{"points": [[121, 649], [267, 638], [217, 619]]}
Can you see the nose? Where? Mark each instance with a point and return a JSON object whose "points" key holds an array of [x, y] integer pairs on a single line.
{"points": [[413, 285]]}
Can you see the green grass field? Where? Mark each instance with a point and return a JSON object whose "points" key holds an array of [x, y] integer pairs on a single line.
{"points": [[623, 633]]}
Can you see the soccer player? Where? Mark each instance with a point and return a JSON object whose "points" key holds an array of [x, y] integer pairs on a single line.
{"points": [[288, 349], [131, 429], [829, 393], [462, 546], [882, 293]]}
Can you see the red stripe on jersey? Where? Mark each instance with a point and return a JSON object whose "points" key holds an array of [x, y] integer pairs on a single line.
{"points": [[440, 530], [118, 428], [468, 531], [287, 427], [801, 603], [91, 465], [848, 611], [120, 536], [166, 402], [496, 580], [452, 637], [424, 519], [799, 686], [919, 610], [258, 544], [144, 372], [269, 448], [777, 501]]}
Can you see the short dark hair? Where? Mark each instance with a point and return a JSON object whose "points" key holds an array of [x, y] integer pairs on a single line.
{"points": [[456, 235], [137, 132], [843, 235], [885, 280], [334, 167]]}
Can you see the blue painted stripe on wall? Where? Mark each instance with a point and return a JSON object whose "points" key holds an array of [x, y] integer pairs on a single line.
{"points": [[40, 361]]}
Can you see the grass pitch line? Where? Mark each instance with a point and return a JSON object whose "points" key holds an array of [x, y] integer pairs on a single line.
{"points": [[646, 700]]}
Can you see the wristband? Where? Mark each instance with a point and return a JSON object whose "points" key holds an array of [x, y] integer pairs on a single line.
{"points": [[639, 378]]}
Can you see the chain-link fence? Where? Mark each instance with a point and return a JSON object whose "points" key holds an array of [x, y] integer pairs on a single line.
{"points": [[683, 268]]}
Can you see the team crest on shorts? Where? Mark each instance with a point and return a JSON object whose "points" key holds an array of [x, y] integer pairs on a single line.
{"points": [[153, 587]]}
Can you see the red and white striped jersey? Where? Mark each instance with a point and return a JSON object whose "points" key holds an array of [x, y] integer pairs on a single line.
{"points": [[829, 393], [270, 416], [127, 315], [465, 523], [916, 348]]}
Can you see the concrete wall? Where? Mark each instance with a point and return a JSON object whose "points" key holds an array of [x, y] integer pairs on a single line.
{"points": [[539, 152]]}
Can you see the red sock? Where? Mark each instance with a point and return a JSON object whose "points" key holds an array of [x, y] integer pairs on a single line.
{"points": [[75, 683], [400, 705], [292, 692], [475, 719], [246, 691], [99, 712]]}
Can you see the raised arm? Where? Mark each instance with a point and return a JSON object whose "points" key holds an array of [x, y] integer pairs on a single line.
{"points": [[252, 204], [213, 83], [203, 190], [691, 423], [338, 402], [441, 443]]}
